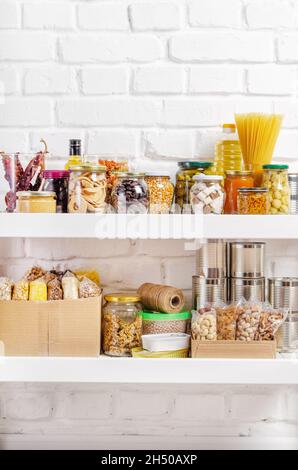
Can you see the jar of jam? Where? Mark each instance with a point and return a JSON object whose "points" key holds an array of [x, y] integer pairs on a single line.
{"points": [[184, 180], [253, 201], [235, 180], [57, 181]]}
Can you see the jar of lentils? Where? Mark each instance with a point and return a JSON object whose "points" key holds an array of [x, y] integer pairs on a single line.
{"points": [[161, 192], [184, 180], [130, 194], [275, 179]]}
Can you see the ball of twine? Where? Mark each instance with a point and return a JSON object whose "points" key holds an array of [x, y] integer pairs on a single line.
{"points": [[161, 298]]}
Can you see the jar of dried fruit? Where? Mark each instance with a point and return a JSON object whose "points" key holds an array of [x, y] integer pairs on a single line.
{"points": [[161, 192], [87, 189], [122, 324], [275, 178]]}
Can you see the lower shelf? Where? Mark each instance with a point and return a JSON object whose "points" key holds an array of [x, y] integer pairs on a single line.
{"points": [[160, 371]]}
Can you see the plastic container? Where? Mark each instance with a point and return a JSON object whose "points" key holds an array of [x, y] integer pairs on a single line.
{"points": [[130, 194], [161, 192], [158, 323], [57, 181], [235, 180], [178, 354], [275, 178], [228, 154], [253, 201], [184, 180], [87, 189], [207, 195], [165, 342], [36, 201]]}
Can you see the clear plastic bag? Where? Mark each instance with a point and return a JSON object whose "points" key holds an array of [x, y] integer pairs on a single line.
{"points": [[5, 288], [270, 321], [226, 320], [70, 286], [55, 291], [249, 313], [21, 290], [203, 323], [88, 288]]}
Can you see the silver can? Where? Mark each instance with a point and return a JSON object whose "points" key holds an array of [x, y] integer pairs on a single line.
{"points": [[247, 259], [247, 288], [283, 293], [293, 183], [211, 259], [208, 290], [287, 335]]}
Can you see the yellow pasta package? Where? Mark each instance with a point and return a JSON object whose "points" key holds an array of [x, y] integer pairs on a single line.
{"points": [[38, 290]]}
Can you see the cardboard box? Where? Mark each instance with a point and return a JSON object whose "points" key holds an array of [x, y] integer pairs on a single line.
{"points": [[55, 328], [233, 349]]}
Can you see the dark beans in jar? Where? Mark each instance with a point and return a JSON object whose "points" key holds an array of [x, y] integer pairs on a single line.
{"points": [[130, 195]]}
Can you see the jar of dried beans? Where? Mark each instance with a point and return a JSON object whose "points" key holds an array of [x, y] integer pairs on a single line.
{"points": [[161, 192], [130, 194], [87, 189], [253, 201]]}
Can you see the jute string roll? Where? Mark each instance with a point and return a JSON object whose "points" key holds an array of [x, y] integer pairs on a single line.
{"points": [[160, 298]]}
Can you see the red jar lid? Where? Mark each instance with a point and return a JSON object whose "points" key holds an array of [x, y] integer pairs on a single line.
{"points": [[55, 174]]}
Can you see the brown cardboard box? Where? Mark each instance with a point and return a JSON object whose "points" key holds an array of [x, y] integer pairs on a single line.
{"points": [[55, 328], [233, 349]]}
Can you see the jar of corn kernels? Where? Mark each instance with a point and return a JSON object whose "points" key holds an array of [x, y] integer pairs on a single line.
{"points": [[253, 201], [161, 192]]}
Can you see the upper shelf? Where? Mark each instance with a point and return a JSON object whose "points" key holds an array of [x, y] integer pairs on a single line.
{"points": [[120, 226]]}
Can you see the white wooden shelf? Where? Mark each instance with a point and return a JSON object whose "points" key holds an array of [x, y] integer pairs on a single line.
{"points": [[120, 226], [159, 371]]}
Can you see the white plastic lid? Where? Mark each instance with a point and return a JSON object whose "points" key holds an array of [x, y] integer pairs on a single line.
{"points": [[202, 177]]}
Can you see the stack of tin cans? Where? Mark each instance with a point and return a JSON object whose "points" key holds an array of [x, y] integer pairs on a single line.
{"points": [[293, 183]]}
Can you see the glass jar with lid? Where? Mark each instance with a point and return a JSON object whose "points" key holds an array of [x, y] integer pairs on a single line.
{"points": [[122, 324], [253, 201], [275, 179], [57, 181], [161, 192], [235, 180], [36, 201], [87, 189], [130, 194], [184, 180], [207, 194]]}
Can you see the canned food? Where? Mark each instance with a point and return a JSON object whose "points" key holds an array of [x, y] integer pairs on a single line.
{"points": [[287, 335], [283, 293], [247, 288], [247, 259], [208, 290], [211, 259], [293, 183]]}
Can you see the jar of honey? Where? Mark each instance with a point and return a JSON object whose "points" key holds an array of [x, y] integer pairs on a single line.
{"points": [[235, 180]]}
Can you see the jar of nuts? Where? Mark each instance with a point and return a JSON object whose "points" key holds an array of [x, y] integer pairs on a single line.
{"points": [[122, 324], [275, 178], [161, 192]]}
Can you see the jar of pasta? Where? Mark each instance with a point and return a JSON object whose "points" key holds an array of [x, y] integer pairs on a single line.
{"points": [[184, 180], [275, 178], [122, 324], [253, 201], [161, 192], [235, 180], [87, 189], [130, 194]]}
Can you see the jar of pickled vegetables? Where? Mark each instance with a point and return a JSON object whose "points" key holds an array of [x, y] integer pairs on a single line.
{"points": [[161, 192], [253, 201], [235, 180], [275, 178], [184, 180]]}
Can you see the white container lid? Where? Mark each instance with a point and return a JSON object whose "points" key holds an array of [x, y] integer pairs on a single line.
{"points": [[201, 177]]}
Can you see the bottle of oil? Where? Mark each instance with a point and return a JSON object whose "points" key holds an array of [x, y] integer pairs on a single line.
{"points": [[228, 151], [75, 153]]}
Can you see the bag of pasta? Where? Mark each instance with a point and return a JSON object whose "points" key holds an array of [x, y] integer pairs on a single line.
{"points": [[270, 321], [203, 323], [248, 319]]}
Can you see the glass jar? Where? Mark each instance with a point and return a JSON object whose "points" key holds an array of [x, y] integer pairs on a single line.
{"points": [[207, 195], [36, 201], [184, 180], [275, 178], [235, 180], [57, 181], [122, 324], [130, 194], [253, 201], [87, 189], [161, 192]]}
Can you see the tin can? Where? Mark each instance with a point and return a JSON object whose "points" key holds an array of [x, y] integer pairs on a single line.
{"points": [[293, 183], [206, 290], [247, 288], [287, 335], [247, 259], [283, 293], [211, 259]]}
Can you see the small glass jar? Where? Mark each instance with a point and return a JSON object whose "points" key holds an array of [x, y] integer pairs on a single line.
{"points": [[275, 178], [253, 201], [130, 194], [36, 201], [122, 324], [235, 180], [207, 195], [161, 192], [57, 181], [184, 180], [87, 189]]}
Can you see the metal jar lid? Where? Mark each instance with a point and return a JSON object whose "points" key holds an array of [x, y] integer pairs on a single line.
{"points": [[36, 194], [253, 190], [122, 297]]}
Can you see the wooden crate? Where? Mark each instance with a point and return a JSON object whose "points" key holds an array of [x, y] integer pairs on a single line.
{"points": [[233, 349]]}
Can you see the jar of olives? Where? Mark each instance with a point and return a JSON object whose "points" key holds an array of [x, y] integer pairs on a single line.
{"points": [[184, 180], [275, 179]]}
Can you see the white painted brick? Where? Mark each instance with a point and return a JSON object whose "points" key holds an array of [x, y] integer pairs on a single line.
{"points": [[179, 274], [57, 140], [131, 273], [288, 48], [11, 248], [20, 112], [10, 16], [283, 266], [108, 112], [28, 406], [112, 143], [105, 16], [13, 141], [272, 80], [289, 109], [27, 46], [155, 16], [257, 407], [9, 80], [84, 406], [216, 13], [205, 142], [197, 112], [49, 15], [266, 14], [156, 79], [216, 79], [105, 80], [48, 80], [168, 144], [199, 407], [163, 248], [116, 48], [142, 405], [220, 46], [292, 406]]}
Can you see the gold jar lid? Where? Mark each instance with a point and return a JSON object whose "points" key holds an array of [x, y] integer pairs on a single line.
{"points": [[88, 167], [238, 172], [36, 194], [122, 297]]}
